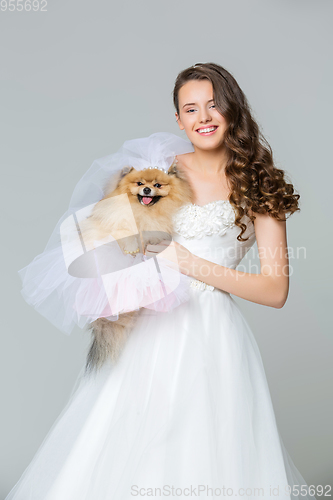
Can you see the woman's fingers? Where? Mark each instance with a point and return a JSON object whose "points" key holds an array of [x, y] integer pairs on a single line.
{"points": [[156, 248]]}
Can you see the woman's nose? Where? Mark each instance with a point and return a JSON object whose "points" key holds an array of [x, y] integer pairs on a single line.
{"points": [[204, 116]]}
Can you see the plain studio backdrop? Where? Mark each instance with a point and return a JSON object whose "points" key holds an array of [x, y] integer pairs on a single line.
{"points": [[80, 78]]}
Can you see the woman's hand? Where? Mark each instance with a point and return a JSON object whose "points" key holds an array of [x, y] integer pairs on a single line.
{"points": [[174, 252]]}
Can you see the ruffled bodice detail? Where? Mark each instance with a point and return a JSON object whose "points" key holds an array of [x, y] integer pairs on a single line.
{"points": [[209, 231], [195, 221]]}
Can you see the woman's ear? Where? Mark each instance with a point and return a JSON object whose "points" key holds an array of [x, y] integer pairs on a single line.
{"points": [[179, 122]]}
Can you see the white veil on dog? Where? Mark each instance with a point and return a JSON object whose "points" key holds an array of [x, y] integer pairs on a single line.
{"points": [[68, 293]]}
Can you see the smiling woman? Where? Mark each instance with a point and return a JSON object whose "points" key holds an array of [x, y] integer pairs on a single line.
{"points": [[235, 155], [187, 402]]}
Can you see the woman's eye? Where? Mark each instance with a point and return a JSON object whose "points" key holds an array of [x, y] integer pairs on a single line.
{"points": [[157, 185], [189, 110], [139, 183]]}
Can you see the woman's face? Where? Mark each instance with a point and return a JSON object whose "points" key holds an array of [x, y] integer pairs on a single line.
{"points": [[198, 113]]}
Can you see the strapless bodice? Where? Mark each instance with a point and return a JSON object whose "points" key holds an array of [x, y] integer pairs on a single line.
{"points": [[209, 231]]}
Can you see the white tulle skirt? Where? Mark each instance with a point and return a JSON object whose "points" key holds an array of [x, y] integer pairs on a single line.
{"points": [[186, 409]]}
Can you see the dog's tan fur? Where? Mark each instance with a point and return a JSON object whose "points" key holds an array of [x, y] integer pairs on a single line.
{"points": [[109, 218]]}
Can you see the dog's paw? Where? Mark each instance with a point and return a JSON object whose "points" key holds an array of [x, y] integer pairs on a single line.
{"points": [[130, 246]]}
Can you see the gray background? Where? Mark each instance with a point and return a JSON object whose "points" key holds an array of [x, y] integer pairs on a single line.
{"points": [[83, 77]]}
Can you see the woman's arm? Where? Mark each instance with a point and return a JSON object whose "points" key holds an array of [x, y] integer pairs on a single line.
{"points": [[270, 287]]}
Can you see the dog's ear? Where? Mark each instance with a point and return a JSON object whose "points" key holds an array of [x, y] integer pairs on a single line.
{"points": [[173, 169], [125, 170]]}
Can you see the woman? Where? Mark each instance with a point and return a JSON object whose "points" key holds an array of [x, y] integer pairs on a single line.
{"points": [[230, 163], [186, 411]]}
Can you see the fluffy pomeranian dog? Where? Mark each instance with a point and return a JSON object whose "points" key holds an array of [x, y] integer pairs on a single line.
{"points": [[154, 196]]}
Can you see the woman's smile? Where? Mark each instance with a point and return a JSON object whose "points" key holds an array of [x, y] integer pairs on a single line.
{"points": [[207, 130]]}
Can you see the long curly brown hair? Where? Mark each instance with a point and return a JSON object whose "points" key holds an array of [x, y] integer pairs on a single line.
{"points": [[255, 182]]}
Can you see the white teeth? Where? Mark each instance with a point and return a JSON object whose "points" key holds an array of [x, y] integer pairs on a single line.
{"points": [[204, 130]]}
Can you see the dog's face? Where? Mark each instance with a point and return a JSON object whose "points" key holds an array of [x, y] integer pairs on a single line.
{"points": [[147, 186]]}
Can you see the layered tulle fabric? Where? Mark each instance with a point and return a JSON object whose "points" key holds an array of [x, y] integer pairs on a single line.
{"points": [[187, 406], [67, 301]]}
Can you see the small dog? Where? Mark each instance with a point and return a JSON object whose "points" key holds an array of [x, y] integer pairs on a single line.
{"points": [[154, 197]]}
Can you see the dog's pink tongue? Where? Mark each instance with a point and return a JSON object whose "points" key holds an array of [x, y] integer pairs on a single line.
{"points": [[146, 199]]}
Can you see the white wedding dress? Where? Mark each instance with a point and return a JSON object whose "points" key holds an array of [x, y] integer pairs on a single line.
{"points": [[187, 406]]}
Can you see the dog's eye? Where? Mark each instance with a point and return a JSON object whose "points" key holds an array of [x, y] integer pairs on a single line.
{"points": [[139, 183], [157, 185]]}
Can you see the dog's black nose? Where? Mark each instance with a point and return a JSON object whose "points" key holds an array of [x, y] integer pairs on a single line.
{"points": [[146, 190]]}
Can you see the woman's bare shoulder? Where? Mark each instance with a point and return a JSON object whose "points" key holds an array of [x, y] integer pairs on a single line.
{"points": [[266, 215], [183, 159]]}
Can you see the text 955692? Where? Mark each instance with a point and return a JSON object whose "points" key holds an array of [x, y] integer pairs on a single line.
{"points": [[23, 5]]}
